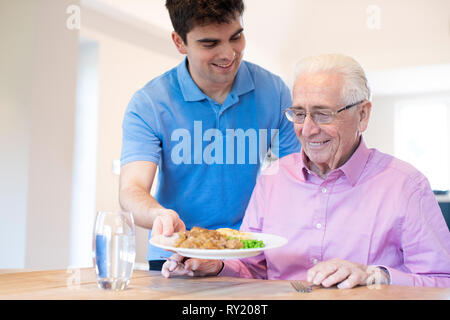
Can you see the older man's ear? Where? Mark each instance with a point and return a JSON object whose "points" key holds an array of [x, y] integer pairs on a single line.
{"points": [[364, 115]]}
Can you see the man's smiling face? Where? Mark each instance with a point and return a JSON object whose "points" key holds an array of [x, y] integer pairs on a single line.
{"points": [[328, 146], [214, 52]]}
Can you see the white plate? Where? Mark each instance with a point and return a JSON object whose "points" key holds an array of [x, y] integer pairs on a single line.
{"points": [[271, 241]]}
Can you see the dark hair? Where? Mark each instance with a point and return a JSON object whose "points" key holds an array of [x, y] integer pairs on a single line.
{"points": [[186, 14]]}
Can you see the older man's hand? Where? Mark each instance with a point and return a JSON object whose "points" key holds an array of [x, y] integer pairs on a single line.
{"points": [[344, 273], [177, 265]]}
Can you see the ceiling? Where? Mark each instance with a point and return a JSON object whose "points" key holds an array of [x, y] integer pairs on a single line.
{"points": [[149, 11]]}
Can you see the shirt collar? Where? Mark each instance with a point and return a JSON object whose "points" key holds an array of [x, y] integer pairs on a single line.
{"points": [[354, 166], [352, 169], [304, 171], [244, 81], [191, 92]]}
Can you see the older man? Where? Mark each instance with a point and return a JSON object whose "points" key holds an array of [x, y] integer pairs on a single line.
{"points": [[352, 215]]}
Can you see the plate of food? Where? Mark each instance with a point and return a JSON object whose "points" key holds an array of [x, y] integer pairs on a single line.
{"points": [[223, 243]]}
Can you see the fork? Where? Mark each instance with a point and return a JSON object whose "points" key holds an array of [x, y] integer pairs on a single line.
{"points": [[303, 287]]}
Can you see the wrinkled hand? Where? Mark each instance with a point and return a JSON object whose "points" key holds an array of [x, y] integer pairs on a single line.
{"points": [[178, 265], [344, 273], [167, 223]]}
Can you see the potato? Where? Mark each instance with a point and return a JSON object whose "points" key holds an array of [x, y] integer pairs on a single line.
{"points": [[235, 234]]}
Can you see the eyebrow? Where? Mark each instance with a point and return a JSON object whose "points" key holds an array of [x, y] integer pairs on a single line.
{"points": [[313, 107], [217, 40]]}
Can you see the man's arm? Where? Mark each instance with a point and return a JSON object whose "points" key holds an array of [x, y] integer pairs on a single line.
{"points": [[136, 179], [425, 242]]}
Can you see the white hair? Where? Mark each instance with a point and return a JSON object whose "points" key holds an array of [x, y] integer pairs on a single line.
{"points": [[355, 87]]}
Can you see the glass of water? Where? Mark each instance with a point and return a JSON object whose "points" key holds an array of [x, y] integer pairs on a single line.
{"points": [[114, 249]]}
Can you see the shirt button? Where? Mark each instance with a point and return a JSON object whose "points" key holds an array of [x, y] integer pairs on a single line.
{"points": [[324, 190], [319, 225], [315, 261]]}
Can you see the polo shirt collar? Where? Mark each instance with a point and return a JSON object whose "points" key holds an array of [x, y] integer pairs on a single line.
{"points": [[189, 89], [352, 169], [243, 83]]}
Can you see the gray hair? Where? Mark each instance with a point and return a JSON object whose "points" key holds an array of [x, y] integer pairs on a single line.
{"points": [[355, 87]]}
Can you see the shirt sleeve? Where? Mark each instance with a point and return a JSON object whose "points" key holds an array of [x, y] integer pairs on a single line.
{"points": [[140, 141], [253, 267], [286, 142], [425, 243]]}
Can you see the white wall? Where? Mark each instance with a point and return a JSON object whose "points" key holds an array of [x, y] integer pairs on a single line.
{"points": [[390, 86], [380, 133], [411, 33], [38, 81], [15, 63], [51, 136]]}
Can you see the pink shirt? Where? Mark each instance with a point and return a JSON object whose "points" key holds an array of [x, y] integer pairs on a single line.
{"points": [[374, 210]]}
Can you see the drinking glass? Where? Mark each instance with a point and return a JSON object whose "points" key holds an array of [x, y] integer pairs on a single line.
{"points": [[114, 249]]}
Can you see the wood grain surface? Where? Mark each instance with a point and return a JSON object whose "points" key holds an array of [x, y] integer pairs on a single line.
{"points": [[76, 284]]}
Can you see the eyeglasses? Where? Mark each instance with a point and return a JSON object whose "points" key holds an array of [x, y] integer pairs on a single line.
{"points": [[323, 116]]}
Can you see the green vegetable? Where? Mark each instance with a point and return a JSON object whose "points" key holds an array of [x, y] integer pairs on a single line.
{"points": [[250, 244]]}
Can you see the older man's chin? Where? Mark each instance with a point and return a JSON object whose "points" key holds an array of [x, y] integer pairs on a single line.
{"points": [[318, 158]]}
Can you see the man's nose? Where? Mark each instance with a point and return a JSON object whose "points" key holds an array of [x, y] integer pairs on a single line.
{"points": [[228, 53], [310, 128]]}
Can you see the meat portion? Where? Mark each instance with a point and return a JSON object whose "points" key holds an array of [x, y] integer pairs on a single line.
{"points": [[200, 238]]}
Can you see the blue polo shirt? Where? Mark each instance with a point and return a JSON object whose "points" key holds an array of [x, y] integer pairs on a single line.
{"points": [[209, 154]]}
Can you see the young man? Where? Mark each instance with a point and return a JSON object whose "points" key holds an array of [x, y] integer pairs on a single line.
{"points": [[207, 124]]}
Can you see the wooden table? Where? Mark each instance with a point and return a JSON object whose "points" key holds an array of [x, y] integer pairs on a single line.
{"points": [[79, 284]]}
